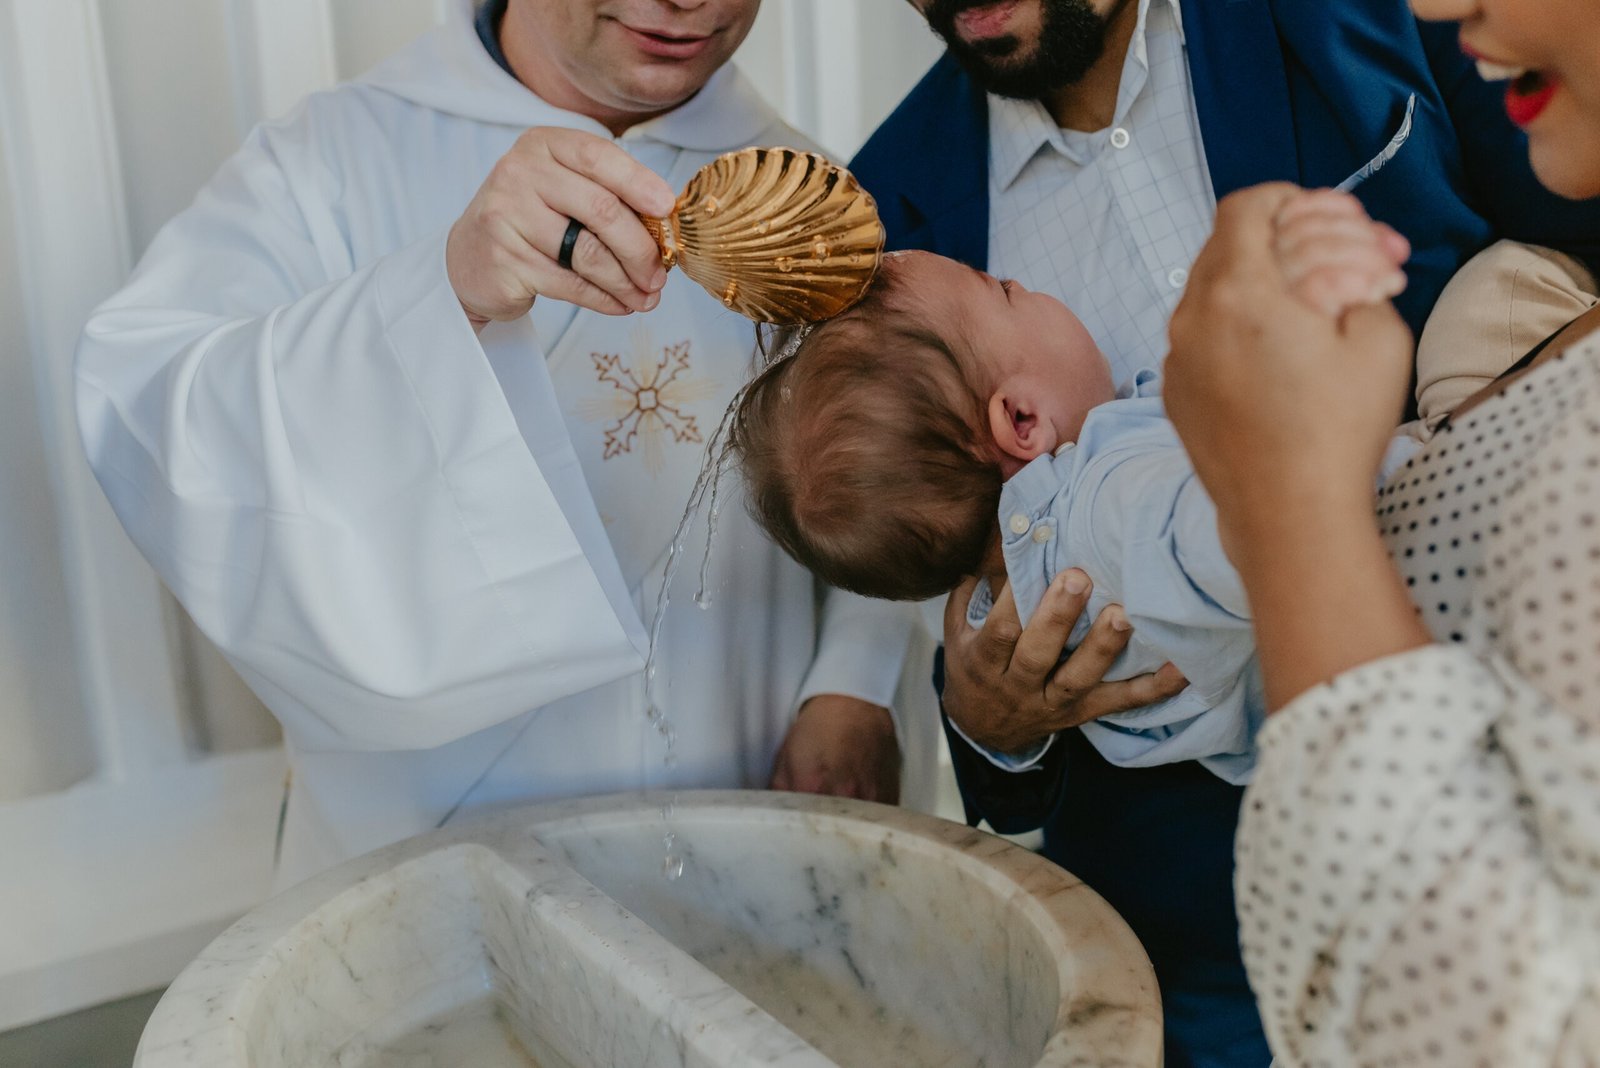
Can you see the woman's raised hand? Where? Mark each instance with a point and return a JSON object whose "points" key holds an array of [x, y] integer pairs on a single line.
{"points": [[1333, 256], [1289, 369]]}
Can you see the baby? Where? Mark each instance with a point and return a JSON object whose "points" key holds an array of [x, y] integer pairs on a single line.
{"points": [[950, 425]]}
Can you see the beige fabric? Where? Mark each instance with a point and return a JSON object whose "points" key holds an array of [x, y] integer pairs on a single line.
{"points": [[1506, 300]]}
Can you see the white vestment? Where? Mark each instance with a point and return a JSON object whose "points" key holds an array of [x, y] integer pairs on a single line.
{"points": [[436, 557]]}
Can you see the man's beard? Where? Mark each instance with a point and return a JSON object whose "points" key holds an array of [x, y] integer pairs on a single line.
{"points": [[1071, 38]]}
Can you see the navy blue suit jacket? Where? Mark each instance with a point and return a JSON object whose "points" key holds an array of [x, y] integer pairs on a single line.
{"points": [[1305, 91]]}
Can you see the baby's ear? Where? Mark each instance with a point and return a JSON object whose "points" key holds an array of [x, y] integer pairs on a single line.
{"points": [[1020, 431]]}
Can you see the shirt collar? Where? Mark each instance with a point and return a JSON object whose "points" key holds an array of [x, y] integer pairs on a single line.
{"points": [[1028, 534], [1019, 129], [1144, 383]]}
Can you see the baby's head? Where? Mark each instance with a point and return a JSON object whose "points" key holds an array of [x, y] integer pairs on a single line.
{"points": [[875, 453]]}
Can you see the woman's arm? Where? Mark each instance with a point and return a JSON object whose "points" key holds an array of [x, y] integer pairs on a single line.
{"points": [[1419, 857], [1400, 900]]}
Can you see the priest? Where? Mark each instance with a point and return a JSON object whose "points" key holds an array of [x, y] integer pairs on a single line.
{"points": [[405, 412]]}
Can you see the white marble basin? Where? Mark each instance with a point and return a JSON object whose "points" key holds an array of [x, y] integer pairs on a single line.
{"points": [[804, 932]]}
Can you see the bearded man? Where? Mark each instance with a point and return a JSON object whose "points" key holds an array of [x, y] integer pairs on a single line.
{"points": [[1080, 147]]}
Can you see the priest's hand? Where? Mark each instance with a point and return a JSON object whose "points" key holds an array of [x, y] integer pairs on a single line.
{"points": [[841, 746], [504, 250], [1002, 685]]}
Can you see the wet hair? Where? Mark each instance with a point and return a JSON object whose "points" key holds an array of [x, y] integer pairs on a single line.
{"points": [[866, 455]]}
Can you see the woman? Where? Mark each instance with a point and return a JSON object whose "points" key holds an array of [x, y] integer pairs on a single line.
{"points": [[1419, 856]]}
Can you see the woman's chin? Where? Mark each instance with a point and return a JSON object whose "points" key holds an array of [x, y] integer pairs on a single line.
{"points": [[1566, 166]]}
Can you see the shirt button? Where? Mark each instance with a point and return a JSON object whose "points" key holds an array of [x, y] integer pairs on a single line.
{"points": [[1019, 523], [1120, 138], [1178, 278], [1043, 533]]}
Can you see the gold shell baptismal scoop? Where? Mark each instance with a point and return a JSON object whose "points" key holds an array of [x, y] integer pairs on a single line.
{"points": [[778, 235]]}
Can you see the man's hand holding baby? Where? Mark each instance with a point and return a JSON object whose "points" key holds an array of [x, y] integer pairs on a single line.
{"points": [[1008, 689]]}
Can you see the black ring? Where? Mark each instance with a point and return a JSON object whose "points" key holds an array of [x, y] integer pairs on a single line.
{"points": [[569, 241]]}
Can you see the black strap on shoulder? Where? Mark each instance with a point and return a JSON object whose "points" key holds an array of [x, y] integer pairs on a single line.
{"points": [[1522, 364]]}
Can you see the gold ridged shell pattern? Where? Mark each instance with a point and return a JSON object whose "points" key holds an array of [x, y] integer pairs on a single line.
{"points": [[778, 235]]}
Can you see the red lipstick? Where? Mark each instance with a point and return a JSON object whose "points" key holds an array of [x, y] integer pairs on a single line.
{"points": [[1528, 96]]}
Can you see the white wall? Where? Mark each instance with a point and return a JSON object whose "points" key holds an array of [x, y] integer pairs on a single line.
{"points": [[44, 734], [836, 68], [139, 779]]}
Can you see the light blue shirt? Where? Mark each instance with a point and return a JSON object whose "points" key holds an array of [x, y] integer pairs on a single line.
{"points": [[1123, 504], [1108, 221]]}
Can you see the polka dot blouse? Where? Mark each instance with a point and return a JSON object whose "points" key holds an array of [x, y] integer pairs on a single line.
{"points": [[1419, 855]]}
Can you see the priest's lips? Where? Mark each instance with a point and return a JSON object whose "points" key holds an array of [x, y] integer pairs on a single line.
{"points": [[984, 21], [668, 45]]}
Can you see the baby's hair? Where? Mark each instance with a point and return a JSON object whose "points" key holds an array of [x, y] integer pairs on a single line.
{"points": [[863, 454]]}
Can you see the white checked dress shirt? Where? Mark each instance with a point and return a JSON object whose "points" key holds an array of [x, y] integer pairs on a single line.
{"points": [[1107, 222], [1110, 221]]}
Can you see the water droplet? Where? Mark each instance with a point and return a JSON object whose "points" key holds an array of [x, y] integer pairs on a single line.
{"points": [[666, 809], [702, 600], [669, 840], [821, 250], [711, 205], [672, 867], [784, 264], [764, 226], [729, 293], [854, 258], [670, 761]]}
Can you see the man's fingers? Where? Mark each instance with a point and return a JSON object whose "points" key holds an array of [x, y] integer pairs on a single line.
{"points": [[607, 217], [1124, 696], [955, 611], [997, 638], [1047, 632], [555, 283], [1091, 660], [601, 161], [591, 260]]}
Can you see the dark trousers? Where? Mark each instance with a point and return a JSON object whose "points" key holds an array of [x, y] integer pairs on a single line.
{"points": [[1157, 844]]}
